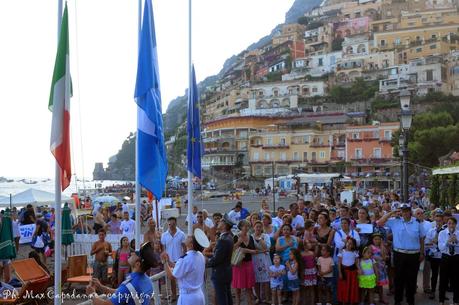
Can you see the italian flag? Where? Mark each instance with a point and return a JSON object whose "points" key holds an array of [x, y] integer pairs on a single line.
{"points": [[59, 104]]}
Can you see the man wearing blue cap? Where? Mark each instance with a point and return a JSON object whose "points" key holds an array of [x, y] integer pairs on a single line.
{"points": [[408, 249]]}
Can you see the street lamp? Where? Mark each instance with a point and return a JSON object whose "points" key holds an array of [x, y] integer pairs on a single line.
{"points": [[406, 118]]}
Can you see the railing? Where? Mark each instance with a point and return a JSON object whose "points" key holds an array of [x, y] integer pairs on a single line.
{"points": [[156, 292], [83, 243]]}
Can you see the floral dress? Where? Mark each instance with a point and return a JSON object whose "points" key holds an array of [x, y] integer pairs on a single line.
{"points": [[381, 264], [262, 261]]}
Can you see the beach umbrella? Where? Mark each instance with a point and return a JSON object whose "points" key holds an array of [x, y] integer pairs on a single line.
{"points": [[67, 234], [106, 200], [7, 247]]}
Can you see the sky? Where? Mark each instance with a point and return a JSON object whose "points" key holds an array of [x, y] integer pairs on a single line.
{"points": [[103, 54]]}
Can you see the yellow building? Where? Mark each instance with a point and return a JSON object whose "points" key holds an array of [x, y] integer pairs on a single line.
{"points": [[431, 47], [428, 18], [403, 38], [289, 150], [290, 32], [225, 103]]}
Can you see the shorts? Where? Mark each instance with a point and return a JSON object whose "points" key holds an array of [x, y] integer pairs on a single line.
{"points": [[277, 286], [4, 262], [100, 271], [325, 282], [293, 285]]}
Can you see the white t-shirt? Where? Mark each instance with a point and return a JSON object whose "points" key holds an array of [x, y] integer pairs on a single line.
{"points": [[349, 257], [209, 223], [173, 244], [277, 222], [127, 227], [234, 216], [298, 222]]}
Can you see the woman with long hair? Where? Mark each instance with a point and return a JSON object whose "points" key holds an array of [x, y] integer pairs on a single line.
{"points": [[121, 265], [243, 274]]}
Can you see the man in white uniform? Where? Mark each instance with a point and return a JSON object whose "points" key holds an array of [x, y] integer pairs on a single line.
{"points": [[189, 271]]}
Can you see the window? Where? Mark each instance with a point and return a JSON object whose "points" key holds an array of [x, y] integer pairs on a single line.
{"points": [[242, 145], [283, 156], [382, 42], [434, 36], [305, 139], [377, 153], [397, 41], [429, 75], [314, 89], [267, 156], [387, 135], [258, 170], [355, 135], [313, 156], [305, 156], [296, 156], [358, 153], [269, 141], [322, 155], [256, 156], [434, 46], [276, 92], [418, 50], [321, 62], [341, 154], [282, 141]]}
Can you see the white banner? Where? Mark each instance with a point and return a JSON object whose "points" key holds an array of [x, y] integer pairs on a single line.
{"points": [[26, 232]]}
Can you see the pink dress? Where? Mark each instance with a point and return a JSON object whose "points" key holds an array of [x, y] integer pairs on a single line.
{"points": [[310, 271]]}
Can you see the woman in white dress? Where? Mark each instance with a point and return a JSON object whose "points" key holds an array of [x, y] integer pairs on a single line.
{"points": [[261, 262]]}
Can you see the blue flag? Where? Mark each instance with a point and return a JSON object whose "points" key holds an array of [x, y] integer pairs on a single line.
{"points": [[194, 148], [151, 156]]}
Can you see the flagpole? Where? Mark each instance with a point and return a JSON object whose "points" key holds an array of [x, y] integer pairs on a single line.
{"points": [[57, 200], [190, 94], [138, 188]]}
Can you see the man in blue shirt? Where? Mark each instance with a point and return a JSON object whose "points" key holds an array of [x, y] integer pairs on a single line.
{"points": [[137, 289], [408, 249]]}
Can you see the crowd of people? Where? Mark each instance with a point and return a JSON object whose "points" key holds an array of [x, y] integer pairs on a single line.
{"points": [[311, 252]]}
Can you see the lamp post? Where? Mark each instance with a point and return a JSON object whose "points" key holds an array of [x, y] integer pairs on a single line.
{"points": [[406, 118]]}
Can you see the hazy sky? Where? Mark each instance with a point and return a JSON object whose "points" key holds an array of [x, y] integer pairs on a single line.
{"points": [[103, 52]]}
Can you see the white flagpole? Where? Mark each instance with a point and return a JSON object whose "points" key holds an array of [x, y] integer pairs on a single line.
{"points": [[57, 200], [138, 188], [190, 96]]}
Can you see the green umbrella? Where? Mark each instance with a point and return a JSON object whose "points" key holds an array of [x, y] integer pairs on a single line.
{"points": [[7, 247], [67, 233]]}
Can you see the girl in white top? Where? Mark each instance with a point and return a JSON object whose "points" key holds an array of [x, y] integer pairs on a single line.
{"points": [[342, 235]]}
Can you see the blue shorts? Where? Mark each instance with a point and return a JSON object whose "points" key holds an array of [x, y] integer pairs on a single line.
{"points": [[293, 285], [326, 282]]}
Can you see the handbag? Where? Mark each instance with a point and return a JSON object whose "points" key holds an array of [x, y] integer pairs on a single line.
{"points": [[39, 243], [237, 257]]}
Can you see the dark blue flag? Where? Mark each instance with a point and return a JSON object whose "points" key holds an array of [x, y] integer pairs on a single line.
{"points": [[194, 148]]}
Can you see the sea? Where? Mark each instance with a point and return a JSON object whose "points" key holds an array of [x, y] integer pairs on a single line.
{"points": [[47, 184]]}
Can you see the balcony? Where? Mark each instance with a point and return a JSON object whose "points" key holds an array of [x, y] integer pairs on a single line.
{"points": [[340, 144], [212, 163], [316, 145], [337, 158], [275, 146]]}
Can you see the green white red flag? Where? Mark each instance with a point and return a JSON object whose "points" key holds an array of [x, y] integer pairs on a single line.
{"points": [[59, 104]]}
